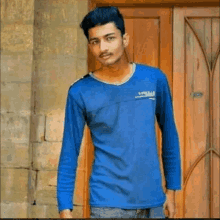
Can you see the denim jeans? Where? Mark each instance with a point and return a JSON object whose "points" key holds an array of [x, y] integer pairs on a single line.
{"points": [[107, 212]]}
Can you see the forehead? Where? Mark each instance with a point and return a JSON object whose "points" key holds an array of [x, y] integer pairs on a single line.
{"points": [[102, 30]]}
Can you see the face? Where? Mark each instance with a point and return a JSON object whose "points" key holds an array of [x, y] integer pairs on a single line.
{"points": [[107, 44]]}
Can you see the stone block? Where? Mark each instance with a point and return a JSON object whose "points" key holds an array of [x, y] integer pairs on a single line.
{"points": [[46, 155], [82, 9], [82, 43], [81, 68], [51, 211], [14, 155], [14, 210], [16, 97], [17, 11], [46, 188], [15, 127], [52, 94], [54, 76], [32, 183], [78, 211], [37, 128], [16, 68], [82, 40], [45, 197], [16, 37], [44, 211], [54, 127], [56, 13], [50, 97], [56, 40], [56, 70], [14, 185]]}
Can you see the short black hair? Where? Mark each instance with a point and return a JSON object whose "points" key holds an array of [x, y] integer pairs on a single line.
{"points": [[101, 16]]}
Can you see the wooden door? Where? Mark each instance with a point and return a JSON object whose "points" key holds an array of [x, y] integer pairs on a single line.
{"points": [[196, 100], [150, 31]]}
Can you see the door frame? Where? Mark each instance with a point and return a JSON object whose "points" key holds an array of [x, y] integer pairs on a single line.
{"points": [[155, 3]]}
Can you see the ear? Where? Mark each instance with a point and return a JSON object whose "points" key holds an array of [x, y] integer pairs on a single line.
{"points": [[125, 39]]}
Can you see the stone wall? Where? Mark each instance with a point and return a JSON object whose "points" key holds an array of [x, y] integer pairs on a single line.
{"points": [[43, 51]]}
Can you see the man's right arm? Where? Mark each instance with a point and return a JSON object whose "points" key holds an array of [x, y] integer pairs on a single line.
{"points": [[72, 138]]}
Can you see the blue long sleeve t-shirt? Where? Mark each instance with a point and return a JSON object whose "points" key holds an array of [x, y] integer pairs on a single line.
{"points": [[126, 171]]}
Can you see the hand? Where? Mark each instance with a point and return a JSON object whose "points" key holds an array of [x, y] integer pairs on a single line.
{"points": [[66, 213], [169, 205]]}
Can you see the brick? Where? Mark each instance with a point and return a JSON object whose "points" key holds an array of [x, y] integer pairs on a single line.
{"points": [[55, 13], [14, 210], [56, 40], [14, 185], [11, 154], [15, 127], [16, 37], [54, 127], [37, 128], [46, 188], [46, 155], [15, 97], [17, 67], [17, 11]]}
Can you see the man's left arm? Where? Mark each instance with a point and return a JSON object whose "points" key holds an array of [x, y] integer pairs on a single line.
{"points": [[170, 143]]}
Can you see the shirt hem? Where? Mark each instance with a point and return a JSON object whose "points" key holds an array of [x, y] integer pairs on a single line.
{"points": [[128, 206]]}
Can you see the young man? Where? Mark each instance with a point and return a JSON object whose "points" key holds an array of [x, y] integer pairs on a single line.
{"points": [[119, 103]]}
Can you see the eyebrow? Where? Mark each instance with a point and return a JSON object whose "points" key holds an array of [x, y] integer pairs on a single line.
{"points": [[95, 38]]}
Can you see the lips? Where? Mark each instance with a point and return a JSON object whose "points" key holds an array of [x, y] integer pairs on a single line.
{"points": [[105, 56]]}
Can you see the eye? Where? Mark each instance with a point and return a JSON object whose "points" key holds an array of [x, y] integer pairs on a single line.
{"points": [[94, 42], [110, 38]]}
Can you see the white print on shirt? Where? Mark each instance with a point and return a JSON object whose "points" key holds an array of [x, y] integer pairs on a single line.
{"points": [[144, 94]]}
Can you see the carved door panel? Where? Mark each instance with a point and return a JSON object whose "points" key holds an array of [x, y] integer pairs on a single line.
{"points": [[196, 100]]}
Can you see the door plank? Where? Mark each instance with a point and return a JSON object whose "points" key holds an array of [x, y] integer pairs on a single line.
{"points": [[146, 38], [129, 28], [197, 129], [216, 139], [215, 39], [191, 72], [197, 204]]}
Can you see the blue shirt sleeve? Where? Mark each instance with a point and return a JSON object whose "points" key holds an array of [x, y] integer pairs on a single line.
{"points": [[170, 139], [72, 138]]}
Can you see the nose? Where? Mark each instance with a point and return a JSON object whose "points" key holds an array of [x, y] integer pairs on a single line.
{"points": [[103, 46]]}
